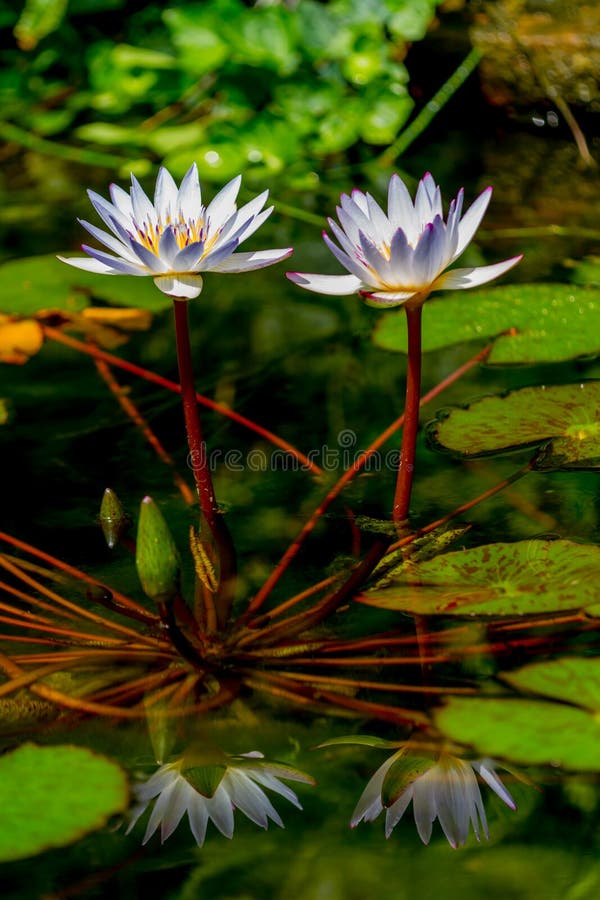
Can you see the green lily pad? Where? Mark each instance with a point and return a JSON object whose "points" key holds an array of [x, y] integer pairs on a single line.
{"points": [[52, 796], [503, 579], [551, 322], [567, 416], [528, 732], [569, 679], [44, 282]]}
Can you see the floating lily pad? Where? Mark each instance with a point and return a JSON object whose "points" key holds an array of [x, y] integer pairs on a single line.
{"points": [[503, 579], [565, 415], [568, 679], [551, 322], [529, 732], [44, 282], [52, 796]]}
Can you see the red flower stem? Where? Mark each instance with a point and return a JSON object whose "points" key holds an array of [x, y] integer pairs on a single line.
{"points": [[406, 466], [216, 609], [57, 335], [198, 455]]}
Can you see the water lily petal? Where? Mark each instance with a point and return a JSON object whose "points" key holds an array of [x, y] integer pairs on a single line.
{"points": [[108, 240], [188, 258], [220, 810], [250, 799], [395, 812], [401, 211], [338, 285], [173, 814], [246, 215], [473, 277], [119, 266], [471, 220], [168, 248], [485, 769], [353, 264], [108, 212], [165, 196], [88, 265], [143, 211], [222, 206], [189, 199], [121, 200], [198, 818], [387, 298], [255, 259], [152, 262]]}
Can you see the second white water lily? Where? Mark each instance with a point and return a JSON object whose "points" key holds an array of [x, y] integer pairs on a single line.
{"points": [[446, 789], [401, 256], [176, 238]]}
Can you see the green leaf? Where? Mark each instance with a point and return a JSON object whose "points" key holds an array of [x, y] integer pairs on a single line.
{"points": [[361, 740], [503, 579], [529, 732], [569, 679], [566, 415], [52, 796], [44, 282], [401, 775], [553, 323], [205, 779], [156, 556]]}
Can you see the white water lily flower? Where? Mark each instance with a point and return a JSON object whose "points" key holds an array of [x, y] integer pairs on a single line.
{"points": [[447, 790], [175, 238], [404, 255], [213, 792]]}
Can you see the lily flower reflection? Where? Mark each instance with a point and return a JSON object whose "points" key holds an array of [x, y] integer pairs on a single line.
{"points": [[175, 238], [401, 257], [212, 791], [446, 789]]}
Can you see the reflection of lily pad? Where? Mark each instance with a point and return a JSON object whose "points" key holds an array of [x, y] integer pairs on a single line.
{"points": [[43, 282], [570, 679], [566, 415], [533, 732], [551, 322], [521, 578], [52, 796]]}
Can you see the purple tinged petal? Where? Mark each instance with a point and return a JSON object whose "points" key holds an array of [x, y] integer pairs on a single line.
{"points": [[471, 220], [423, 208], [351, 228], [168, 248], [222, 207], [332, 285], [361, 200], [152, 262], [255, 259], [89, 265], [218, 254], [119, 266], [107, 212], [459, 279], [374, 259], [111, 242], [428, 257], [401, 259], [184, 287], [359, 218], [187, 259], [246, 215], [189, 198], [354, 265], [342, 238]]}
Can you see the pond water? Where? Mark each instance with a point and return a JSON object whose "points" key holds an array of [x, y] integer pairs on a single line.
{"points": [[480, 642]]}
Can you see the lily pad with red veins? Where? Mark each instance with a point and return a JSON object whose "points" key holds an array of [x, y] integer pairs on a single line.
{"points": [[502, 579], [528, 323], [564, 419]]}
